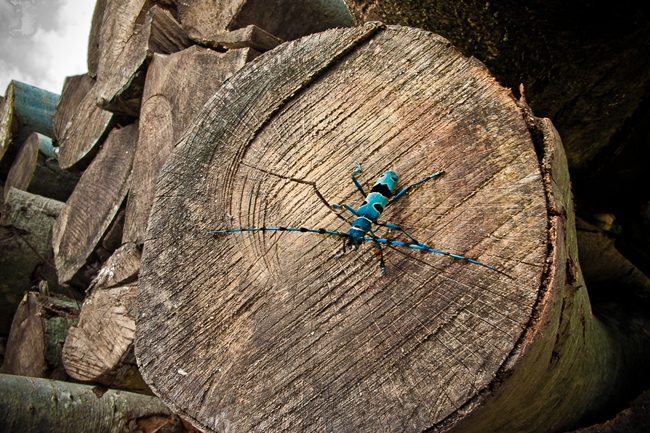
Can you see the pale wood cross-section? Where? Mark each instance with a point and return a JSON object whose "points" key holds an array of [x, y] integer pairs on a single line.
{"points": [[177, 87], [94, 203], [272, 332], [80, 125]]}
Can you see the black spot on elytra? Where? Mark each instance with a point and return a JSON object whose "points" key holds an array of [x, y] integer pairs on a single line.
{"points": [[382, 189]]}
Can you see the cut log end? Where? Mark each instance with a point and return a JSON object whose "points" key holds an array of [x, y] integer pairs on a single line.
{"points": [[278, 327]]}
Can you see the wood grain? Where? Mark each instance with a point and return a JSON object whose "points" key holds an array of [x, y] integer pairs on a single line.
{"points": [[273, 332], [177, 87], [36, 170], [91, 208]]}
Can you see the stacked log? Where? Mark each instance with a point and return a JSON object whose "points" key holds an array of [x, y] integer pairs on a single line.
{"points": [[26, 254], [38, 332], [26, 109]]}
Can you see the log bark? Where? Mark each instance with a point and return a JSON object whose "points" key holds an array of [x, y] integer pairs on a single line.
{"points": [[95, 202], [80, 125], [26, 249], [203, 20], [27, 109], [634, 419], [123, 58], [36, 170], [268, 331], [604, 266], [177, 87], [37, 334], [35, 405]]}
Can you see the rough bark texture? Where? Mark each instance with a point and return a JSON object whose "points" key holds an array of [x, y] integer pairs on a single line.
{"points": [[204, 20], [25, 249], [176, 89], [274, 332], [30, 405], [27, 109], [94, 203], [122, 62], [37, 334], [634, 419], [36, 170]]}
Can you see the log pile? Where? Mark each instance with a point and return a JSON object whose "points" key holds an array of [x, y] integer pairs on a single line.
{"points": [[79, 171], [187, 122]]}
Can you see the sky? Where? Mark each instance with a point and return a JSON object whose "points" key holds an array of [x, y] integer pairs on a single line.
{"points": [[43, 41]]}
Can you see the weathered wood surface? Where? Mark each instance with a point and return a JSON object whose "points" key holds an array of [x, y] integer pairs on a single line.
{"points": [[37, 334], [94, 203], [25, 249], [75, 89], [26, 109], [587, 69], [204, 20], [32, 405], [122, 63], [120, 269], [80, 124], [100, 348], [177, 87], [92, 58], [273, 332], [569, 365], [249, 37], [36, 170]]}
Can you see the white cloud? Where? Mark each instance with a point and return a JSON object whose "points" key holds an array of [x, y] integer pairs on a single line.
{"points": [[44, 41]]}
